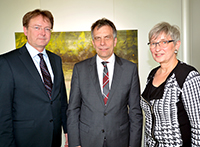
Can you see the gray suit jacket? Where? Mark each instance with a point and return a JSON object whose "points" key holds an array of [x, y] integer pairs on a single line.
{"points": [[89, 121], [28, 118]]}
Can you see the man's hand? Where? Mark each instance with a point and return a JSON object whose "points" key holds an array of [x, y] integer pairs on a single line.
{"points": [[66, 140]]}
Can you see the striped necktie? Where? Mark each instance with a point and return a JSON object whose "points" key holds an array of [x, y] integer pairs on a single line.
{"points": [[46, 76], [105, 82]]}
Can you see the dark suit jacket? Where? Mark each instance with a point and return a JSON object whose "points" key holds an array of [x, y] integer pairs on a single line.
{"points": [[89, 121], [28, 118]]}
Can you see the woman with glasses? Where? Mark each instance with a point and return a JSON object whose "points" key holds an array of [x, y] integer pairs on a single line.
{"points": [[171, 97]]}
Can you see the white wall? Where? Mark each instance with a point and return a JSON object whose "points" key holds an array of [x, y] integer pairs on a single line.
{"points": [[194, 33], [78, 15]]}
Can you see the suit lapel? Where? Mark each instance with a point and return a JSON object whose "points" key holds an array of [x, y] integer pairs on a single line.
{"points": [[95, 79], [116, 77], [29, 64], [115, 82], [55, 72]]}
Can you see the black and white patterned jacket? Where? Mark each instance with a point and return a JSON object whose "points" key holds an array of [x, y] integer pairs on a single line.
{"points": [[162, 125]]}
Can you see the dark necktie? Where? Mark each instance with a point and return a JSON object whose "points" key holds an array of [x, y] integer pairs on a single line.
{"points": [[105, 82], [46, 76]]}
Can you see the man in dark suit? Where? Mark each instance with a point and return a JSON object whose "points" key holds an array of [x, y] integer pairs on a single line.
{"points": [[104, 109], [33, 104]]}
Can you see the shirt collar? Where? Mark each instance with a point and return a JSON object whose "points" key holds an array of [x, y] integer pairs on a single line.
{"points": [[110, 60], [33, 52]]}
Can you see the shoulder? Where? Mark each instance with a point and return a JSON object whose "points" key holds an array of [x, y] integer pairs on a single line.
{"points": [[183, 67], [182, 71], [89, 61], [152, 72], [54, 57], [49, 53], [124, 62], [10, 53], [11, 57]]}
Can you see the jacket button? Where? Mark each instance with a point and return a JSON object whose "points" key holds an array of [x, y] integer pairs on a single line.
{"points": [[102, 130], [51, 102], [51, 120], [105, 114]]}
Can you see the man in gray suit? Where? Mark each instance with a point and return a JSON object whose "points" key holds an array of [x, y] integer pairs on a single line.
{"points": [[104, 108]]}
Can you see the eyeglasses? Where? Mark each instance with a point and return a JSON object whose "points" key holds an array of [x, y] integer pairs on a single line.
{"points": [[39, 28], [162, 43]]}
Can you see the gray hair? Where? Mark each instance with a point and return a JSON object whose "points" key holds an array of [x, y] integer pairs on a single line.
{"points": [[164, 27], [103, 22]]}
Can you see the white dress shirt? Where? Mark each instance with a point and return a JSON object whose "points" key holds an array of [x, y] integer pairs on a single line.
{"points": [[36, 59], [100, 68]]}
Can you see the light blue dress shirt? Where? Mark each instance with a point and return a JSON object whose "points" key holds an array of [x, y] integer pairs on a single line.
{"points": [[36, 59]]}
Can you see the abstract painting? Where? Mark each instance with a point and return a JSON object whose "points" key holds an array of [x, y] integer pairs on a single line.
{"points": [[73, 47]]}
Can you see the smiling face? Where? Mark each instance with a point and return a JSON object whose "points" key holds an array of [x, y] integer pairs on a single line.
{"points": [[164, 55], [104, 42], [38, 38]]}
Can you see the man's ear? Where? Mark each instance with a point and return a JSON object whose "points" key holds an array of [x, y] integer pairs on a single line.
{"points": [[93, 43], [115, 42], [25, 30]]}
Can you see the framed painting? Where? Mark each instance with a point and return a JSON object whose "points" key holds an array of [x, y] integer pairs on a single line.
{"points": [[74, 47]]}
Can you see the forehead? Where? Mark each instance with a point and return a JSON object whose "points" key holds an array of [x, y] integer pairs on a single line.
{"points": [[39, 20], [103, 30], [161, 36]]}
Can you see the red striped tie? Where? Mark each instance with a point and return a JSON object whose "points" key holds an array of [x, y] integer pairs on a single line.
{"points": [[105, 82]]}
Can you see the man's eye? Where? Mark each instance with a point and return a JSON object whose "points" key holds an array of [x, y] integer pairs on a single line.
{"points": [[108, 37], [37, 28], [47, 29], [97, 38]]}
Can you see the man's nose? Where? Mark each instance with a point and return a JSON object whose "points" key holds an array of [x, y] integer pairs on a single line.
{"points": [[102, 41]]}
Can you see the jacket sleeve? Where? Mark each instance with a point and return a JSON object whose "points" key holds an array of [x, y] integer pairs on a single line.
{"points": [[64, 103], [73, 112], [191, 101], [6, 97], [135, 112]]}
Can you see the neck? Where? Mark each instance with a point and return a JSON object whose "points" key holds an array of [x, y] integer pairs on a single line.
{"points": [[168, 67]]}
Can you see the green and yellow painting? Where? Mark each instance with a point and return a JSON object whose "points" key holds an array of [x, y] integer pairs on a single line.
{"points": [[73, 47]]}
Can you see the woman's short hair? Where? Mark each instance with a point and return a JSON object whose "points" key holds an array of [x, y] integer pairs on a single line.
{"points": [[164, 27], [45, 13]]}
